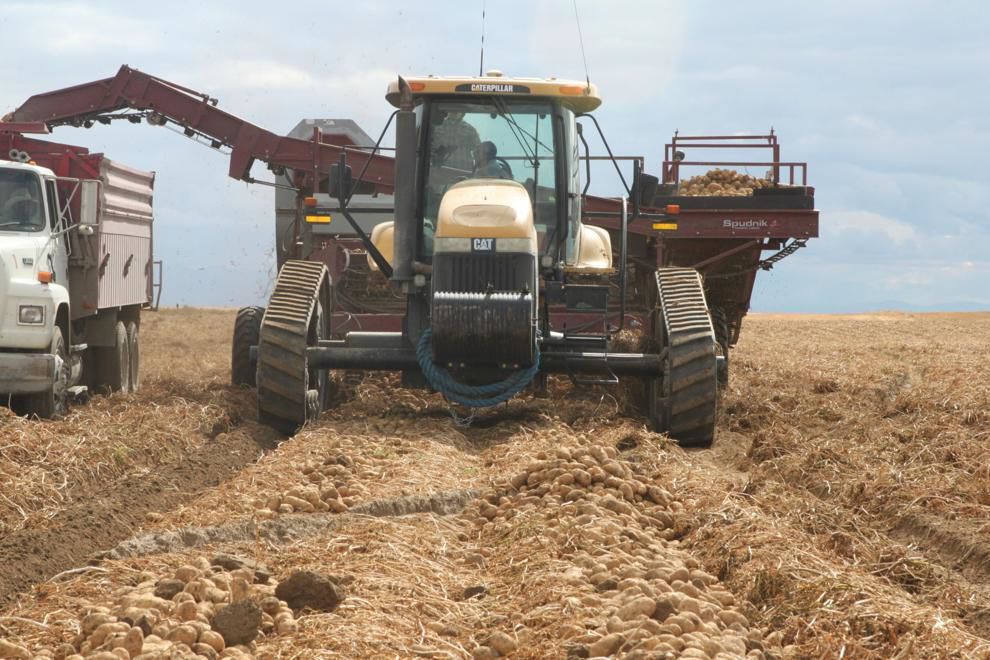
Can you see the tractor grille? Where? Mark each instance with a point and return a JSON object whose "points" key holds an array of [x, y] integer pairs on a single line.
{"points": [[478, 273]]}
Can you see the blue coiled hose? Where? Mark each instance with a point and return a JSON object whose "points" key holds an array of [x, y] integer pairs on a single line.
{"points": [[472, 396]]}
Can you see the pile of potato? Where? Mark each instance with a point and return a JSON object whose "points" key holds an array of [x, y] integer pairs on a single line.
{"points": [[721, 182], [635, 589], [331, 487], [175, 617]]}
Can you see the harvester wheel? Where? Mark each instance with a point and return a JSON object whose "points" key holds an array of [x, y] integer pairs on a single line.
{"points": [[683, 401], [247, 329], [721, 326], [298, 316]]}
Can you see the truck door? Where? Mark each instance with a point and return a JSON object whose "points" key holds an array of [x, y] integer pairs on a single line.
{"points": [[57, 259]]}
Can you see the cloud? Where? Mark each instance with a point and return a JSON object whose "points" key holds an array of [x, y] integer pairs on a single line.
{"points": [[66, 28], [258, 74], [867, 222], [631, 56]]}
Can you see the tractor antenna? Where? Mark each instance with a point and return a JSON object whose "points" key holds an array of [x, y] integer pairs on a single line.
{"points": [[481, 66], [584, 57]]}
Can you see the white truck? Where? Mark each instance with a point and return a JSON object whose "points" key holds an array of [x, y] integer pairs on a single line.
{"points": [[76, 269]]}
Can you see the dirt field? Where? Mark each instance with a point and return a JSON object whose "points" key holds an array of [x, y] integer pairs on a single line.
{"points": [[844, 512]]}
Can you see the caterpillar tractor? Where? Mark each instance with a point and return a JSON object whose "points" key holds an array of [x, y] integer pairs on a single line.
{"points": [[497, 266], [489, 247]]}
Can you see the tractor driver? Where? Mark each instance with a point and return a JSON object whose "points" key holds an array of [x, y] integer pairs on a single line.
{"points": [[488, 166], [455, 142]]}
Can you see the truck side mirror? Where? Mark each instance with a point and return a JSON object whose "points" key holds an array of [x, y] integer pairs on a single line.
{"points": [[89, 196], [341, 183]]}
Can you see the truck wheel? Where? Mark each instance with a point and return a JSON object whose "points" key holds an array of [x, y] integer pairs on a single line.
{"points": [[53, 403], [134, 356], [114, 363], [247, 328]]}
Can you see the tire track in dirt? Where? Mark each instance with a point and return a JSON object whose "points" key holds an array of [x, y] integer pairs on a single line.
{"points": [[98, 521]]}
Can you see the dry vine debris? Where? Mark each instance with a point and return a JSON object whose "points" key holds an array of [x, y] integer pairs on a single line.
{"points": [[841, 513]]}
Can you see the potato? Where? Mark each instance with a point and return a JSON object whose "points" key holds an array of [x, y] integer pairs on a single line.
{"points": [[133, 641], [186, 610], [204, 650], [187, 573], [213, 639], [103, 631], [184, 634]]}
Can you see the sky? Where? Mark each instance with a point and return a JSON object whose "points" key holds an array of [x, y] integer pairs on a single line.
{"points": [[888, 102]]}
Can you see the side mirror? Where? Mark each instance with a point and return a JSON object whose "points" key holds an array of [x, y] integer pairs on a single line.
{"points": [[341, 183], [85, 230], [645, 188], [89, 196]]}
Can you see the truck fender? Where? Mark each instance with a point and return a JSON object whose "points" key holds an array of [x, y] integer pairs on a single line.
{"points": [[60, 306]]}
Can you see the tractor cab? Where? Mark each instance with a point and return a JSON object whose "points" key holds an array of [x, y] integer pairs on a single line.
{"points": [[498, 165]]}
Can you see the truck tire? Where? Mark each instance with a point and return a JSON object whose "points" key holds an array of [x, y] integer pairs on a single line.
{"points": [[247, 329], [54, 403], [134, 356], [113, 363]]}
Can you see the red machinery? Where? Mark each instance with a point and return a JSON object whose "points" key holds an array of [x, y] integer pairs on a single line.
{"points": [[724, 237], [721, 237]]}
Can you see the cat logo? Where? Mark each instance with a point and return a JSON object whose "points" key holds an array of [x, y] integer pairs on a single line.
{"points": [[482, 244]]}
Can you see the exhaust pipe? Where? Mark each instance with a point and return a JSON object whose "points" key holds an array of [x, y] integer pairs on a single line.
{"points": [[406, 228]]}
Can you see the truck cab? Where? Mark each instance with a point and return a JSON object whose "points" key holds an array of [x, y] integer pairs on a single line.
{"points": [[75, 271], [34, 295]]}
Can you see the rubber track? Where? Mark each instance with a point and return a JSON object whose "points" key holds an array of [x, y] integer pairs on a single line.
{"points": [[690, 380], [283, 379]]}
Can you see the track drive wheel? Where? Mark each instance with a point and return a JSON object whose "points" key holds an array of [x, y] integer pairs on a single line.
{"points": [[298, 316], [683, 401], [247, 329], [720, 324]]}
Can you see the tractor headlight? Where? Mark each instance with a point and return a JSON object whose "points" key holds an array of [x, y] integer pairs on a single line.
{"points": [[31, 314]]}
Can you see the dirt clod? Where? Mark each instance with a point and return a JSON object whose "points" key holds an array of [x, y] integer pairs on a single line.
{"points": [[238, 623], [306, 589], [168, 587], [475, 591], [233, 563]]}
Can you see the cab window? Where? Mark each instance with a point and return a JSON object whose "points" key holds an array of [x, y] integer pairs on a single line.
{"points": [[491, 138], [21, 206]]}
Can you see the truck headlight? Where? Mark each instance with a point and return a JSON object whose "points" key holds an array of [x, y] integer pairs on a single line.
{"points": [[31, 314]]}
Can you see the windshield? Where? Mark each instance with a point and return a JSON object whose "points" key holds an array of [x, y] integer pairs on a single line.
{"points": [[492, 138], [21, 207]]}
